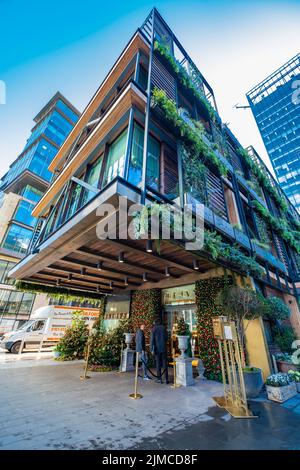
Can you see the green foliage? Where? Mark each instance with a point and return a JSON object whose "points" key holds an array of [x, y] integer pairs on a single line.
{"points": [[105, 346], [284, 337], [183, 328], [278, 225], [206, 292], [72, 344], [60, 293], [145, 308], [275, 309], [217, 248], [184, 78], [263, 179], [191, 138]]}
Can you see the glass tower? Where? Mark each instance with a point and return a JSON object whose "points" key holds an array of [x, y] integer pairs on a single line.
{"points": [[275, 103]]}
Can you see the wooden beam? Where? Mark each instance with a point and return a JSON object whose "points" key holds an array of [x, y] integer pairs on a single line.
{"points": [[95, 276], [66, 286], [97, 255], [86, 264], [89, 283]]}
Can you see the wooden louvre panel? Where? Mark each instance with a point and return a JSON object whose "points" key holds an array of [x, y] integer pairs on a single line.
{"points": [[162, 79], [169, 172], [281, 250], [215, 194]]}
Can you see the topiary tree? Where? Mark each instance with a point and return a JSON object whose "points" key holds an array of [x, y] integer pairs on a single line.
{"points": [[275, 309], [241, 304], [72, 344]]}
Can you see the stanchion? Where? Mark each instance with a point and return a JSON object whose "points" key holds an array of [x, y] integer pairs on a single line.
{"points": [[135, 395], [175, 384], [121, 359]]}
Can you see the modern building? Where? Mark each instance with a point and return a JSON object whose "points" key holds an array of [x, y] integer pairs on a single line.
{"points": [[21, 188], [152, 133], [275, 103]]}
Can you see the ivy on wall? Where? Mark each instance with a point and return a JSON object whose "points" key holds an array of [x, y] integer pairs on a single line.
{"points": [[206, 292], [60, 293], [278, 225], [145, 308]]}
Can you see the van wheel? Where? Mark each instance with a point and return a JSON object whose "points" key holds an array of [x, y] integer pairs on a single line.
{"points": [[15, 347]]}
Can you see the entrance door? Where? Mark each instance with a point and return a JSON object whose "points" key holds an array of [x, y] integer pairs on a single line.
{"points": [[173, 313]]}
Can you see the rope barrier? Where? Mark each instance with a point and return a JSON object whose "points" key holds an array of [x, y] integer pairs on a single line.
{"points": [[152, 373]]}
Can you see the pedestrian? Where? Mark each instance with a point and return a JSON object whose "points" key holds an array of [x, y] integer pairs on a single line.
{"points": [[140, 347], [158, 346]]}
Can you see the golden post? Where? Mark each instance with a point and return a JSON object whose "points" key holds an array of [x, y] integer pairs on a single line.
{"points": [[135, 395]]}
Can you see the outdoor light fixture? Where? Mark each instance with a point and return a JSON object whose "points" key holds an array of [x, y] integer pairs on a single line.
{"points": [[149, 246], [98, 289], [167, 272], [99, 265], [195, 264], [145, 277], [83, 271], [121, 257], [111, 285], [126, 281], [58, 282], [70, 277]]}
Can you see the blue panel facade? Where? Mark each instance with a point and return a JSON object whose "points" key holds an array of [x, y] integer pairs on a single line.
{"points": [[275, 104]]}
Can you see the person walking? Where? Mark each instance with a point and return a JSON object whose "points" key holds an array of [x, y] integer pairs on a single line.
{"points": [[158, 346], [140, 347]]}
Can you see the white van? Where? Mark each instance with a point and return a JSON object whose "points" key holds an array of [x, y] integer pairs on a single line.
{"points": [[45, 328]]}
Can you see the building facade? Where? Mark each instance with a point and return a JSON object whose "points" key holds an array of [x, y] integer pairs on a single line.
{"points": [[21, 188], [275, 103], [152, 134]]}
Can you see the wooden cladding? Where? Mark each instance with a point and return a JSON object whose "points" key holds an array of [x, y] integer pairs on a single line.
{"points": [[169, 172], [162, 79], [215, 195]]}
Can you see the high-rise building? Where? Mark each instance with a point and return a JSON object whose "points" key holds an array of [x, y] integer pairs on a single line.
{"points": [[275, 103], [152, 133], [20, 189]]}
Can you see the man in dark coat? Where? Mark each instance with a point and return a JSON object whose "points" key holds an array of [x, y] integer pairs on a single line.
{"points": [[158, 346], [140, 347]]}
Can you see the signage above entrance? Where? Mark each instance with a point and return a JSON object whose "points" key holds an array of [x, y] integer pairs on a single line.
{"points": [[179, 295]]}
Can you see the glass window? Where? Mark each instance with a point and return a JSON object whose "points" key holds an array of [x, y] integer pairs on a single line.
{"points": [[37, 326], [17, 238], [72, 204], [26, 303], [136, 160], [58, 128], [67, 111], [116, 158], [15, 302], [42, 158], [92, 178], [31, 193], [23, 213], [5, 267]]}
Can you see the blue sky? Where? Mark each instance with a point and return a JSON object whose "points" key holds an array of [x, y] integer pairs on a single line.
{"points": [[69, 46]]}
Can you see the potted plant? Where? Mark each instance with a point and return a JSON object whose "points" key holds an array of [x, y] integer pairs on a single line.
{"points": [[295, 377], [128, 339], [243, 305], [280, 387], [183, 335], [284, 363]]}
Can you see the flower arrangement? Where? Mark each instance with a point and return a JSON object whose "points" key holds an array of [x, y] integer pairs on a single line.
{"points": [[278, 380]]}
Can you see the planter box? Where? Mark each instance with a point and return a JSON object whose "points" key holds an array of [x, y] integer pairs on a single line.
{"points": [[297, 386], [281, 394], [284, 366], [224, 226], [242, 238]]}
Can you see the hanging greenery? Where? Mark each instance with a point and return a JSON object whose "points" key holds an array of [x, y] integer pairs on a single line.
{"points": [[191, 139], [184, 78], [206, 292], [60, 293], [263, 179], [145, 308], [278, 225]]}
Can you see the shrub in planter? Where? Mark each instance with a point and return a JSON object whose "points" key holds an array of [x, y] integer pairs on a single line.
{"points": [[284, 337], [280, 387], [284, 362], [295, 377], [253, 381]]}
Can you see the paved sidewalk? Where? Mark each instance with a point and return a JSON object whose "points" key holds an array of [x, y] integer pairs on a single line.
{"points": [[48, 407]]}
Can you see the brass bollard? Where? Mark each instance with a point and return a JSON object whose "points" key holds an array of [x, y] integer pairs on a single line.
{"points": [[175, 384], [136, 395], [85, 376]]}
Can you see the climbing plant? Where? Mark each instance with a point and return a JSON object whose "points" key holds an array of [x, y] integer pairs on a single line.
{"points": [[190, 137], [145, 308], [206, 292]]}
